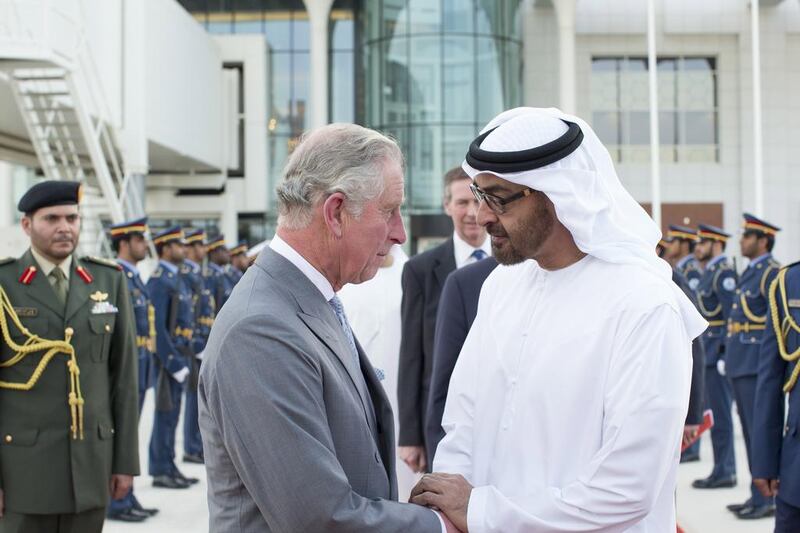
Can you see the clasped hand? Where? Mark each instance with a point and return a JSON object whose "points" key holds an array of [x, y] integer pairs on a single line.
{"points": [[447, 493]]}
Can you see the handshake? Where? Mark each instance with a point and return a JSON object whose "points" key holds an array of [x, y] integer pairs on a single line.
{"points": [[446, 493]]}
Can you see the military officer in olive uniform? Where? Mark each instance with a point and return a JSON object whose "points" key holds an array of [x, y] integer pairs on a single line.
{"points": [[204, 313], [746, 326], [715, 294], [775, 447], [219, 284], [68, 437], [130, 244], [172, 301]]}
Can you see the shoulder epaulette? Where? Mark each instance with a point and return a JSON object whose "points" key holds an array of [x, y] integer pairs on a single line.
{"points": [[7, 260], [787, 267], [185, 269], [103, 262], [157, 272]]}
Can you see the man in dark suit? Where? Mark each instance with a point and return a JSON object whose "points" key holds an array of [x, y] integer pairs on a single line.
{"points": [[457, 309], [423, 278]]}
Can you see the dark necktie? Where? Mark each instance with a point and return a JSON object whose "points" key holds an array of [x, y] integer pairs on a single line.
{"points": [[478, 254], [59, 282]]}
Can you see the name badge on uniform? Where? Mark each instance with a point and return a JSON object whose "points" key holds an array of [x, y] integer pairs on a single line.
{"points": [[101, 305], [794, 302], [26, 311]]}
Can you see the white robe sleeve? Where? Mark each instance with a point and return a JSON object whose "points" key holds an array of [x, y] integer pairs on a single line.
{"points": [[645, 400], [454, 453]]}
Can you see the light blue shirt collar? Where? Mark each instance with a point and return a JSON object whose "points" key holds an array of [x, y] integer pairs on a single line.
{"points": [[129, 266], [195, 267], [718, 259], [169, 266], [762, 257], [685, 261]]}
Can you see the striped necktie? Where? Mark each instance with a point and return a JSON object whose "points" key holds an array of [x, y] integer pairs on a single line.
{"points": [[338, 308]]}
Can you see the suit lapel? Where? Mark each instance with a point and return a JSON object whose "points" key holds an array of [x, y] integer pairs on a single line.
{"points": [[318, 316], [445, 263], [79, 291], [39, 288]]}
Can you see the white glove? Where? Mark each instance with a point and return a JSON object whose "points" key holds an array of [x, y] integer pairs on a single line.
{"points": [[199, 356], [180, 375], [721, 366]]}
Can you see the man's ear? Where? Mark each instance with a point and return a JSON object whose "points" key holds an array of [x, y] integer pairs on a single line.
{"points": [[333, 212], [27, 222]]}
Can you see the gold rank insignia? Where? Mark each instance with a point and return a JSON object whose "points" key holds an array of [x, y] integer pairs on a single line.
{"points": [[98, 296]]}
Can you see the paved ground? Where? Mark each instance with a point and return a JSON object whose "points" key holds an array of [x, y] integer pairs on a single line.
{"points": [[186, 510]]}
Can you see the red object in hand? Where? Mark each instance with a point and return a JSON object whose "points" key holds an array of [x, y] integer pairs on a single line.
{"points": [[708, 423]]}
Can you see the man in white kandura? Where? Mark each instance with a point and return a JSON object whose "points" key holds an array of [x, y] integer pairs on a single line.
{"points": [[567, 403]]}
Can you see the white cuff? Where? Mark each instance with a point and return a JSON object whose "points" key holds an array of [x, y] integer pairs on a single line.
{"points": [[441, 521], [199, 356], [180, 375]]}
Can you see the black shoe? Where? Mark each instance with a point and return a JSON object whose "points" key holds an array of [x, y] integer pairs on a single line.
{"points": [[193, 458], [127, 516], [138, 506], [736, 507], [188, 480], [715, 483], [167, 482], [754, 513], [690, 457]]}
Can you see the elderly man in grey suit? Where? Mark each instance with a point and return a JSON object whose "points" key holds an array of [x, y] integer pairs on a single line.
{"points": [[297, 430]]}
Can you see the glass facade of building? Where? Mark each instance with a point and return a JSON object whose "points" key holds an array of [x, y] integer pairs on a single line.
{"points": [[434, 72]]}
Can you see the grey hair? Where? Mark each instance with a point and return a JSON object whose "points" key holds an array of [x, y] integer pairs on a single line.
{"points": [[344, 158]]}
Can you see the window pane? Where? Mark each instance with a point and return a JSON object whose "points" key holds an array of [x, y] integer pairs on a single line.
{"points": [[634, 85], [300, 31], [425, 79], [456, 144], [489, 81], [395, 18], [638, 127], [668, 128], [700, 127], [696, 90], [606, 126], [342, 91], [300, 90], [278, 32], [459, 16], [426, 16], [249, 24], [342, 34], [396, 87], [459, 79], [426, 168], [280, 92], [667, 83]]}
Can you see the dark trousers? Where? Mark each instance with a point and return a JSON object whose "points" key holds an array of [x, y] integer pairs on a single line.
{"points": [[718, 399], [90, 521], [162, 441], [744, 392], [192, 443], [787, 517], [129, 500]]}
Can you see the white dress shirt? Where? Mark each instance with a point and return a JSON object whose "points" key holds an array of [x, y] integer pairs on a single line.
{"points": [[463, 250]]}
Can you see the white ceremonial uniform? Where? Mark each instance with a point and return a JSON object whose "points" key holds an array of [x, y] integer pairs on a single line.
{"points": [[566, 405]]}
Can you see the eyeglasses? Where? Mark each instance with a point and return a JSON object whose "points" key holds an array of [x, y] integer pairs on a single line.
{"points": [[496, 203]]}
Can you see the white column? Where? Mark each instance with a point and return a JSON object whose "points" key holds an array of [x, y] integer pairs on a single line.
{"points": [[758, 170], [7, 208], [655, 154], [565, 13], [318, 14]]}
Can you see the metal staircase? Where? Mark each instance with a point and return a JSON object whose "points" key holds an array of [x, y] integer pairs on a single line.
{"points": [[67, 119]]}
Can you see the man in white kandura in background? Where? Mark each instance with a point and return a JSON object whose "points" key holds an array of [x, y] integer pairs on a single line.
{"points": [[373, 309], [567, 403]]}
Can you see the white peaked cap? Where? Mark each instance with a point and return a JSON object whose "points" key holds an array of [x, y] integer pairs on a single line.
{"points": [[589, 199]]}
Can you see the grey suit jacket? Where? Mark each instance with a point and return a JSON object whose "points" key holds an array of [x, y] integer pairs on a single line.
{"points": [[297, 435]]}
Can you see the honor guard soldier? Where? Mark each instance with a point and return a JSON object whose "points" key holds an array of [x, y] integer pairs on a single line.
{"points": [[204, 313], [715, 294], [775, 446], [680, 252], [130, 244], [172, 301], [746, 326], [220, 284], [68, 383], [239, 262]]}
